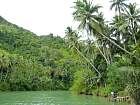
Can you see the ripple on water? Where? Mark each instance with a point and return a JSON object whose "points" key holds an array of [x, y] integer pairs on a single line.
{"points": [[50, 98]]}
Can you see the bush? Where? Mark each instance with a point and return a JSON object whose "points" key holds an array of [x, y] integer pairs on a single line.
{"points": [[115, 79], [84, 80], [103, 91], [4, 86]]}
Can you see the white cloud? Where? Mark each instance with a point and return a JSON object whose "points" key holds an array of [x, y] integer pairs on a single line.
{"points": [[44, 16]]}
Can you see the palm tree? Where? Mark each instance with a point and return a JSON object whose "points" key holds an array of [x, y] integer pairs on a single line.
{"points": [[132, 15], [86, 14], [72, 38], [119, 6], [119, 30]]}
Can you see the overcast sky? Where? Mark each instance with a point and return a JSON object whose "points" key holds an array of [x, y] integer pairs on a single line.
{"points": [[45, 16]]}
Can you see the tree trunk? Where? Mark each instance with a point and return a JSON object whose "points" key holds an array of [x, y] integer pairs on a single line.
{"points": [[106, 52], [133, 31], [103, 54], [99, 74], [115, 44], [99, 30], [135, 40]]}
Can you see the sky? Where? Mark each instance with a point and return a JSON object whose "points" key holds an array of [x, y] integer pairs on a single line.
{"points": [[46, 16]]}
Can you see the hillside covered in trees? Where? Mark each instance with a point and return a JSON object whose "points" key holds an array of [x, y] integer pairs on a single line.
{"points": [[30, 62], [108, 60]]}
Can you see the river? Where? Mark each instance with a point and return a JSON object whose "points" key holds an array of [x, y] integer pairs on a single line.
{"points": [[51, 98]]}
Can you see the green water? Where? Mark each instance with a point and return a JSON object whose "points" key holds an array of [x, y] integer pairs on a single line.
{"points": [[50, 98]]}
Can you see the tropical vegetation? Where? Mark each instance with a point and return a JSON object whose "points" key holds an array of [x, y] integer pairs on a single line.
{"points": [[107, 60]]}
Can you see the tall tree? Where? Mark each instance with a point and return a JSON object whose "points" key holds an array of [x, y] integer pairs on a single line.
{"points": [[119, 6], [83, 12], [132, 15], [72, 38], [87, 14]]}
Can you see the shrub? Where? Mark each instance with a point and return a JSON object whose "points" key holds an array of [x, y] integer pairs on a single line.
{"points": [[84, 80], [4, 86]]}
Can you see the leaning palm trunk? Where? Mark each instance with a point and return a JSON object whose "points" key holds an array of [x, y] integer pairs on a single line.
{"points": [[120, 47], [95, 25], [110, 56], [133, 32], [115, 44], [88, 61], [134, 37], [103, 54], [135, 40], [107, 53]]}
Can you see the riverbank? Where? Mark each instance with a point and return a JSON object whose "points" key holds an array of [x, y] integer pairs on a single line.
{"points": [[120, 97]]}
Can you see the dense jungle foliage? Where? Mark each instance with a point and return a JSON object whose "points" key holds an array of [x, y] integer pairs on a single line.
{"points": [[107, 60]]}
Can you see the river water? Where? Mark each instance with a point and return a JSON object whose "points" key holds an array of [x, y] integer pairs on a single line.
{"points": [[51, 98]]}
